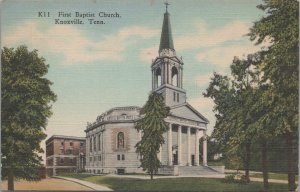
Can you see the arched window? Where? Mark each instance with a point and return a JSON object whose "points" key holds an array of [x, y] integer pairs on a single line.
{"points": [[174, 76], [158, 77], [120, 138]]}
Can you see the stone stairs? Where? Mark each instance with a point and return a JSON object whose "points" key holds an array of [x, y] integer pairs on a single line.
{"points": [[196, 170]]}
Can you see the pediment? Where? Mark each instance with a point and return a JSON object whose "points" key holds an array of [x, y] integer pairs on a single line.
{"points": [[188, 112]]}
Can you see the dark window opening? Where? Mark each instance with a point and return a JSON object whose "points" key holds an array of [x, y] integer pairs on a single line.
{"points": [[177, 97], [120, 140], [123, 157], [193, 131], [120, 171], [158, 77], [118, 157], [174, 96], [174, 76]]}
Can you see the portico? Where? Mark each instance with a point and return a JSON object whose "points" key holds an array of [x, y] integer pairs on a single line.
{"points": [[183, 145]]}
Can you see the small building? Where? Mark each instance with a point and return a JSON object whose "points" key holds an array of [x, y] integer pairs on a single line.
{"points": [[65, 154]]}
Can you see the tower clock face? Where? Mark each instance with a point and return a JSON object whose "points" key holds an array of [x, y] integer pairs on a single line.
{"points": [[167, 52]]}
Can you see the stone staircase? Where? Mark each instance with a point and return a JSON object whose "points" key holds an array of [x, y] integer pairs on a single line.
{"points": [[197, 170]]}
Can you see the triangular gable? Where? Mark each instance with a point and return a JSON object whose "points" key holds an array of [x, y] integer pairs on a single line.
{"points": [[188, 112]]}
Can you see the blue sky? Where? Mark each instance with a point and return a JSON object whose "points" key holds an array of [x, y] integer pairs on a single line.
{"points": [[97, 67]]}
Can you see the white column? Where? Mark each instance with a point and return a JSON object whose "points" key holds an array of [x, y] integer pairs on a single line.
{"points": [[165, 73], [179, 134], [189, 145], [204, 149], [197, 148], [170, 73], [179, 77], [170, 155]]}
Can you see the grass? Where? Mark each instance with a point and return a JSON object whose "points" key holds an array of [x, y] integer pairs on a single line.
{"points": [[280, 176], [175, 184]]}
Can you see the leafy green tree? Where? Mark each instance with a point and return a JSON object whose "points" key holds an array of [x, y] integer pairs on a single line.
{"points": [[26, 100], [152, 126], [233, 98], [280, 65]]}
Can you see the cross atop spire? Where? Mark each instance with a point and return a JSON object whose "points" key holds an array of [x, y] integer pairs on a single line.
{"points": [[167, 4]]}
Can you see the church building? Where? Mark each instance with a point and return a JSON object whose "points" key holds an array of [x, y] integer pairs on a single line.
{"points": [[111, 139]]}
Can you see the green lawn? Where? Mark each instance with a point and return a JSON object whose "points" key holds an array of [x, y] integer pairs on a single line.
{"points": [[175, 184], [280, 176]]}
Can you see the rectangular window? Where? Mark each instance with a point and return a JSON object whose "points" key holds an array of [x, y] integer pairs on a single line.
{"points": [[61, 161], [91, 159], [71, 160], [81, 143], [193, 131], [62, 142], [177, 97], [94, 143], [99, 140], [91, 146], [174, 96], [99, 157], [71, 143], [123, 157], [118, 157]]}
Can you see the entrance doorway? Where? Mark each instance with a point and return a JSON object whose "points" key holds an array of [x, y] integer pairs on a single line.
{"points": [[193, 160], [175, 158]]}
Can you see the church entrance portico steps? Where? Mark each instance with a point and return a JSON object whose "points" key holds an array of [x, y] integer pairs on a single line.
{"points": [[190, 170]]}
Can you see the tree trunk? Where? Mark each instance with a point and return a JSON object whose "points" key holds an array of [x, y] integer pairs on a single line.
{"points": [[290, 161], [10, 179], [264, 158], [247, 161], [151, 175]]}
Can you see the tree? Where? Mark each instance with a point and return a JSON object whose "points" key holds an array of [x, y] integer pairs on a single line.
{"points": [[26, 105], [152, 126], [281, 67], [233, 98]]}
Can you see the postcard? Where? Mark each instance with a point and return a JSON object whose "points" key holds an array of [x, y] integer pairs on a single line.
{"points": [[149, 95]]}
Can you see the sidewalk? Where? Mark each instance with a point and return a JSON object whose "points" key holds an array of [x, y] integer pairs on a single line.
{"points": [[93, 186], [166, 176]]}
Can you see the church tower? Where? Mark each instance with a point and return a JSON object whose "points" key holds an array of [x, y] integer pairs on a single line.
{"points": [[167, 68]]}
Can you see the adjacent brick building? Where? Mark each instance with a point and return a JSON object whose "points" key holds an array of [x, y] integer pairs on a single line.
{"points": [[65, 154]]}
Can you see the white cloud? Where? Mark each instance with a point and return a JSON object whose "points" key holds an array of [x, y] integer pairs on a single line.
{"points": [[74, 45], [203, 80], [223, 56], [202, 103], [206, 38], [148, 54]]}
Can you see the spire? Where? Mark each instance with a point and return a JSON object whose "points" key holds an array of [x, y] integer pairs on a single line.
{"points": [[166, 40]]}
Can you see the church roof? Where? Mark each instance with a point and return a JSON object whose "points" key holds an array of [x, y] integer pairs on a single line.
{"points": [[186, 111], [166, 40]]}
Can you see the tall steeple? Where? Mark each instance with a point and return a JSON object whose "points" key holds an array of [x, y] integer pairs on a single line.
{"points": [[167, 68], [166, 40]]}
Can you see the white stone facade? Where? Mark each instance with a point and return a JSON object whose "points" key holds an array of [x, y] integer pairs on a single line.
{"points": [[111, 139]]}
